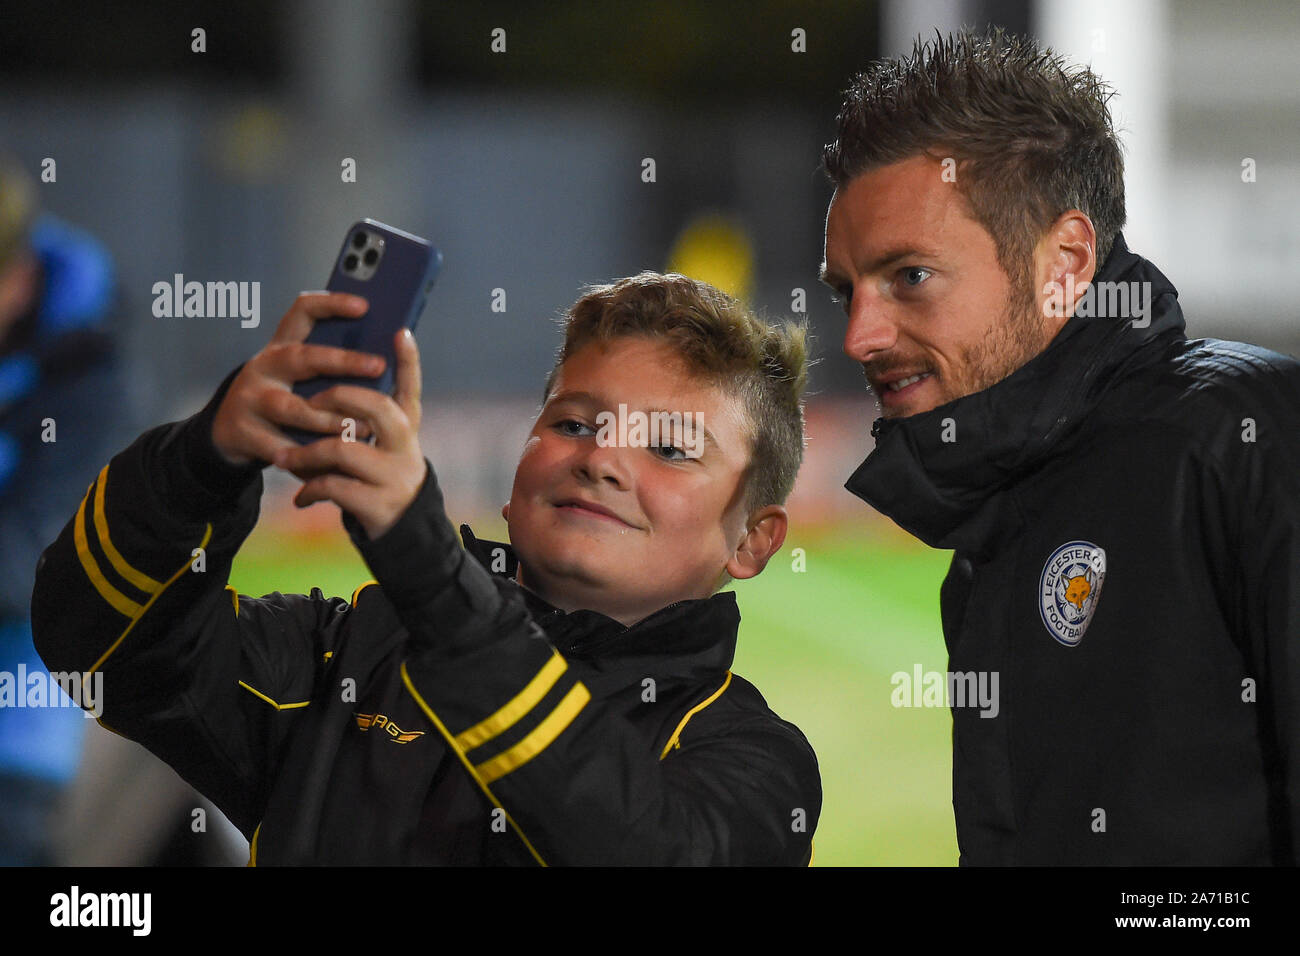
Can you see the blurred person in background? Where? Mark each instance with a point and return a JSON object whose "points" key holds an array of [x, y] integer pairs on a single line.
{"points": [[57, 363], [63, 378]]}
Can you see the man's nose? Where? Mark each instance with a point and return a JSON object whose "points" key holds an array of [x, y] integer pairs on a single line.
{"points": [[871, 330]]}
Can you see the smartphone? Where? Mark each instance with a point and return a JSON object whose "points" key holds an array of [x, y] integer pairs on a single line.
{"points": [[394, 271]]}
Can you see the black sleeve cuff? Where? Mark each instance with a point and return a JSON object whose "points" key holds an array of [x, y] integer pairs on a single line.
{"points": [[436, 588]]}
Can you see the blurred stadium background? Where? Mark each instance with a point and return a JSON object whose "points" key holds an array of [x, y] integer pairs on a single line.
{"points": [[524, 167]]}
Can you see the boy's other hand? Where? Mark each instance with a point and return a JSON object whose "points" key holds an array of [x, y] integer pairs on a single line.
{"points": [[374, 484], [261, 398]]}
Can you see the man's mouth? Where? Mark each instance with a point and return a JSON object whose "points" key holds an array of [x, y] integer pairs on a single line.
{"points": [[903, 383], [899, 395]]}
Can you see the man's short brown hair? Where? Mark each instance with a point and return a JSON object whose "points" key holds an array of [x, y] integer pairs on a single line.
{"points": [[724, 344], [1031, 138]]}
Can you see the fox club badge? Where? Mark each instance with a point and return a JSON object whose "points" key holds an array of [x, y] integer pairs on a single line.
{"points": [[1069, 589]]}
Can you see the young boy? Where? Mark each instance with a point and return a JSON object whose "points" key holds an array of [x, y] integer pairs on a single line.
{"points": [[567, 701]]}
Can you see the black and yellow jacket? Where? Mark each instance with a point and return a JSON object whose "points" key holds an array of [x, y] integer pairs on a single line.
{"points": [[442, 716]]}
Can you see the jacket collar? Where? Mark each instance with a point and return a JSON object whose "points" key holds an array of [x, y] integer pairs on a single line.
{"points": [[691, 637], [945, 492]]}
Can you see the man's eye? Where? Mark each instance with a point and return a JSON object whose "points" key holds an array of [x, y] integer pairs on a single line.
{"points": [[910, 273]]}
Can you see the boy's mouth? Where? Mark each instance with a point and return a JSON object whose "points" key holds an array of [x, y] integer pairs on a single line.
{"points": [[590, 509]]}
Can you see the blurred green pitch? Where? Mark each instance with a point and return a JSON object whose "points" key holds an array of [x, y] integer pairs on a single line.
{"points": [[820, 645]]}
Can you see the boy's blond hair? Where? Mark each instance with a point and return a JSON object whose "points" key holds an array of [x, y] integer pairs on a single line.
{"points": [[724, 344]]}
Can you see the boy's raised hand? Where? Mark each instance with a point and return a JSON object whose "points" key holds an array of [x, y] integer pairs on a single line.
{"points": [[375, 484]]}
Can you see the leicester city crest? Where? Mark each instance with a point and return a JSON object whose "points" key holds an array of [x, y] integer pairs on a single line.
{"points": [[1069, 589]]}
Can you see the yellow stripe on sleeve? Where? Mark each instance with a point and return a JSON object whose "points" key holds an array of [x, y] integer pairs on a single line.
{"points": [[207, 536], [541, 737], [115, 598], [138, 578], [520, 704], [442, 729]]}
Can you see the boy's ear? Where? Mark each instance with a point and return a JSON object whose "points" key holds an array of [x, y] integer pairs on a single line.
{"points": [[766, 534], [505, 511]]}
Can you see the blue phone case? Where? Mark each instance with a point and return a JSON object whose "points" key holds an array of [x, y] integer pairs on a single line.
{"points": [[396, 289]]}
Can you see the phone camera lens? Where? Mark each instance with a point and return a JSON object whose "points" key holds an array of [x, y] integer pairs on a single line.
{"points": [[358, 240], [350, 263], [371, 256]]}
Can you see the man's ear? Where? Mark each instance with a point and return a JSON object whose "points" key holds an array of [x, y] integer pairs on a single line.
{"points": [[766, 534], [1066, 257], [505, 511]]}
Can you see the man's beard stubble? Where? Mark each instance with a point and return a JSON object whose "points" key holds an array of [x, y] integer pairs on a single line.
{"points": [[1018, 336]]}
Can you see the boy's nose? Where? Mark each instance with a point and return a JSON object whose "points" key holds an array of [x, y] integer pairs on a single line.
{"points": [[604, 463]]}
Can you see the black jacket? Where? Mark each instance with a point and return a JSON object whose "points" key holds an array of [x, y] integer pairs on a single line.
{"points": [[443, 715], [1157, 720]]}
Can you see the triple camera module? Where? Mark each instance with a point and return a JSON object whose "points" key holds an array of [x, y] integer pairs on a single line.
{"points": [[363, 254]]}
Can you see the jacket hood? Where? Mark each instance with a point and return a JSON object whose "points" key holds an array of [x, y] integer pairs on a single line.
{"points": [[699, 636], [943, 491]]}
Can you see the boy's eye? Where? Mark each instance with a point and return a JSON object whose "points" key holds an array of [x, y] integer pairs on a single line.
{"points": [[669, 452], [573, 427]]}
